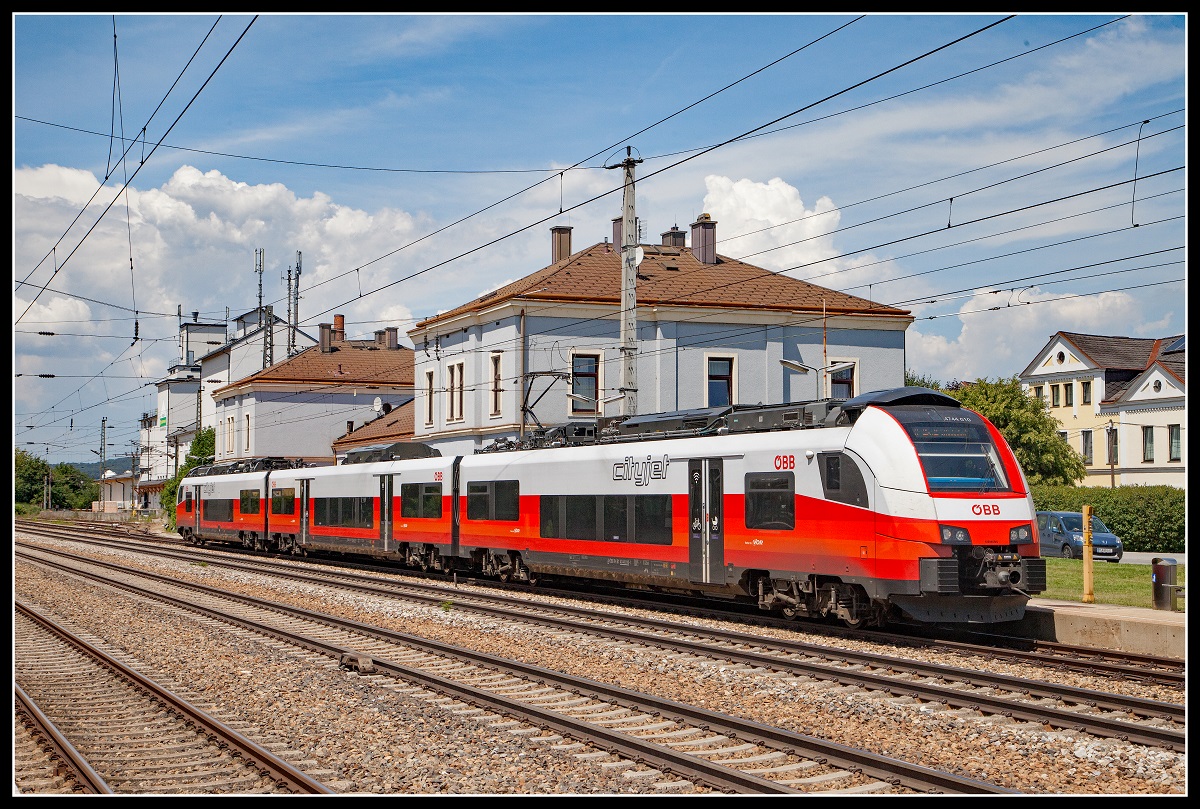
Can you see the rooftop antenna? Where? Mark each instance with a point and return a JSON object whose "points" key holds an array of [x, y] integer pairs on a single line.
{"points": [[258, 268], [295, 310]]}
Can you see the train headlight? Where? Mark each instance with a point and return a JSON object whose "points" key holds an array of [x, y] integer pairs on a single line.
{"points": [[1020, 535], [953, 535]]}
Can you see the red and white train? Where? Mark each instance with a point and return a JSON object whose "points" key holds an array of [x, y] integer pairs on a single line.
{"points": [[894, 501]]}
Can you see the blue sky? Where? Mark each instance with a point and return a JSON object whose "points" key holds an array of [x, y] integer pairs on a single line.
{"points": [[974, 169]]}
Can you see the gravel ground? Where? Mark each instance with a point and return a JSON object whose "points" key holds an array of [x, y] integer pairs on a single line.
{"points": [[370, 739]]}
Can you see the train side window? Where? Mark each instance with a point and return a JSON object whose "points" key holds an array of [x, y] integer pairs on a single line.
{"points": [[494, 500], [549, 519], [344, 512], [249, 501], [421, 500], [187, 502], [771, 501], [616, 518], [283, 501], [579, 520], [842, 479], [652, 519], [219, 510]]}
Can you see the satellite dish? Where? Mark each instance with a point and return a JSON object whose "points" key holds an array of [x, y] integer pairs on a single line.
{"points": [[377, 405], [638, 255]]}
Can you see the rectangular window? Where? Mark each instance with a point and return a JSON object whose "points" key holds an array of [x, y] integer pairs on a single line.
{"points": [[771, 501], [1085, 392], [841, 383], [283, 501], [1112, 447], [1062, 434], [249, 501], [456, 392], [428, 397], [607, 517], [187, 502], [585, 382], [1054, 395], [496, 389], [1039, 393], [494, 500], [1147, 443], [344, 512], [1174, 439], [218, 510], [421, 500], [1069, 394], [720, 381], [1085, 438]]}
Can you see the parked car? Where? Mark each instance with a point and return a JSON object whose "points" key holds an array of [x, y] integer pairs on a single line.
{"points": [[1060, 533]]}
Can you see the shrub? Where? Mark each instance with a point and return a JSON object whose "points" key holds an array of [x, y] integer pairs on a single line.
{"points": [[1150, 519]]}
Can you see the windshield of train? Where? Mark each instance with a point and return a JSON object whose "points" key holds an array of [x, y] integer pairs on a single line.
{"points": [[955, 448]]}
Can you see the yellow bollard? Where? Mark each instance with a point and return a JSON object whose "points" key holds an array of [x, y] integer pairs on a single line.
{"points": [[1089, 597]]}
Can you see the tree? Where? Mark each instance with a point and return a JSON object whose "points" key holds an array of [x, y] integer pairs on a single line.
{"points": [[29, 477], [1028, 427], [72, 488], [915, 380], [202, 451]]}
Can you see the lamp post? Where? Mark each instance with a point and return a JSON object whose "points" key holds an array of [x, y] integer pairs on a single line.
{"points": [[597, 405], [801, 368]]}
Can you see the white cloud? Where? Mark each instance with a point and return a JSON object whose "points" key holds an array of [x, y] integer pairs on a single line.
{"points": [[999, 337]]}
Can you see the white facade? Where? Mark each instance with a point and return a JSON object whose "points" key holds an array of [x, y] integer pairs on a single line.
{"points": [[464, 403], [243, 355], [1151, 420]]}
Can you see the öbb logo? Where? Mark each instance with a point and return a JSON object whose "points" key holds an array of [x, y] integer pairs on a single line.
{"points": [[989, 509]]}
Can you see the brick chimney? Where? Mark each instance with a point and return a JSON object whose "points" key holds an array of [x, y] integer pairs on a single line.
{"points": [[392, 337], [339, 324], [560, 243], [704, 239], [326, 330], [619, 231], [380, 338], [674, 237]]}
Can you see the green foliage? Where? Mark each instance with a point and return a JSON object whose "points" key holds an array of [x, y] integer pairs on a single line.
{"points": [[1150, 519], [29, 477], [69, 487], [72, 489], [1028, 428], [27, 509], [202, 451], [914, 380]]}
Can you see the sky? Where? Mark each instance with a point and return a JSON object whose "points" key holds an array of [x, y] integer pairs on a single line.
{"points": [[1000, 177]]}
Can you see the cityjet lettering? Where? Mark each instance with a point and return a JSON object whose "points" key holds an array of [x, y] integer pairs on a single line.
{"points": [[641, 472]]}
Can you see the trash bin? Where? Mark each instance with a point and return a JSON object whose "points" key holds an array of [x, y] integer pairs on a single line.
{"points": [[1162, 575]]}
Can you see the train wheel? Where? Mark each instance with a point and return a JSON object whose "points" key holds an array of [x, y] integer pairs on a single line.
{"points": [[855, 623], [789, 612]]}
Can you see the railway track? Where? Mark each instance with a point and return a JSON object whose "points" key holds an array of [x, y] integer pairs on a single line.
{"points": [[625, 728], [989, 646], [124, 733]]}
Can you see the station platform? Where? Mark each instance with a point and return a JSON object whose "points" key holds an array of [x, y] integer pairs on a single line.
{"points": [[1162, 633]]}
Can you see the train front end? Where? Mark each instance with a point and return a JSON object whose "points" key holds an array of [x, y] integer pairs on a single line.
{"points": [[955, 521]]}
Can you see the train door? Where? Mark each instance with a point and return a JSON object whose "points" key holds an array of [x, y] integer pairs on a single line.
{"points": [[304, 487], [706, 521], [194, 502], [385, 511]]}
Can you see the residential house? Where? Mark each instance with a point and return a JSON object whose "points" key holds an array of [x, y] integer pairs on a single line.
{"points": [[295, 409], [1121, 404], [711, 331]]}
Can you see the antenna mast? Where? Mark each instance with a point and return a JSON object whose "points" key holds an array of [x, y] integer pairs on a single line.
{"points": [[295, 310]]}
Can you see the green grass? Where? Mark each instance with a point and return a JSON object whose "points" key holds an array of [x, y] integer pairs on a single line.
{"points": [[1124, 584]]}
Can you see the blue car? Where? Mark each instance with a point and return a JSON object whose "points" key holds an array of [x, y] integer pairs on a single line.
{"points": [[1060, 533]]}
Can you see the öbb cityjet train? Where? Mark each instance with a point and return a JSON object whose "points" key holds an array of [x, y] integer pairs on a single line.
{"points": [[895, 503]]}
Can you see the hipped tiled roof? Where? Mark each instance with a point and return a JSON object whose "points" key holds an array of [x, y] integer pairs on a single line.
{"points": [[349, 362], [395, 426], [672, 276]]}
